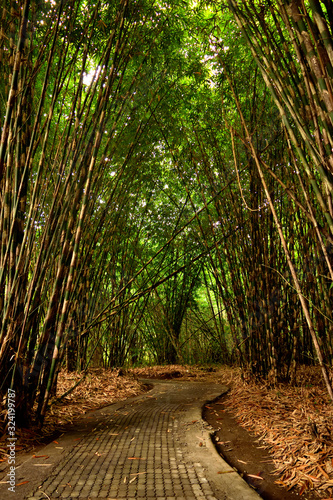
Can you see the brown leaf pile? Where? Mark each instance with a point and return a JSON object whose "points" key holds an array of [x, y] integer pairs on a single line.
{"points": [[295, 425], [224, 375], [99, 388]]}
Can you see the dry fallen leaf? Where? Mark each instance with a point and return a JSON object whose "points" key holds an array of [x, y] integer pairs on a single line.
{"points": [[284, 419]]}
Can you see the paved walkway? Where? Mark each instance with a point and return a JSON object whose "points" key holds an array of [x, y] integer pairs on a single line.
{"points": [[151, 447]]}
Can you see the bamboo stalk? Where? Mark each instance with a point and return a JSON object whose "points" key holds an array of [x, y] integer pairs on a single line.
{"points": [[287, 254]]}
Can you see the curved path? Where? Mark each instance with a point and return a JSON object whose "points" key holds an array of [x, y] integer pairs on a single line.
{"points": [[154, 446]]}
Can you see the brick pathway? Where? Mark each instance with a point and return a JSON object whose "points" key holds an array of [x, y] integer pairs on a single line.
{"points": [[135, 453], [152, 447]]}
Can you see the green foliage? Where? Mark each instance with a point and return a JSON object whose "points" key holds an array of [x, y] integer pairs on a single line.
{"points": [[134, 222]]}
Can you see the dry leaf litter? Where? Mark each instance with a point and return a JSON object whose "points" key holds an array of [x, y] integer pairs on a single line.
{"points": [[294, 423], [99, 388]]}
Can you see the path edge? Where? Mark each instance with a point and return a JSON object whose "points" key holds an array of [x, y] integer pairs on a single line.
{"points": [[199, 446]]}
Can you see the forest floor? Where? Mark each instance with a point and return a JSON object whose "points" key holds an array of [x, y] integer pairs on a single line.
{"points": [[280, 439]]}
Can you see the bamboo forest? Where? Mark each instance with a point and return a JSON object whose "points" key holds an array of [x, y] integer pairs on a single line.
{"points": [[166, 177]]}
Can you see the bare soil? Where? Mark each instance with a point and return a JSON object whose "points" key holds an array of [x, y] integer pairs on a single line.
{"points": [[241, 450]]}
